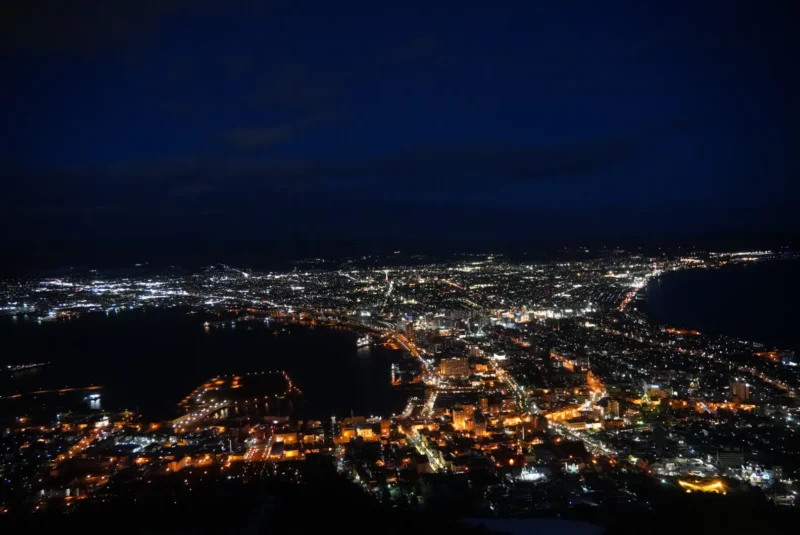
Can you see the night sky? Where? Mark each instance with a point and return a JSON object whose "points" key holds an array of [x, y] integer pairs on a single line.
{"points": [[358, 120]]}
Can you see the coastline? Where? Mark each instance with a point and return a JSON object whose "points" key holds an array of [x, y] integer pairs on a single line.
{"points": [[335, 377], [753, 302]]}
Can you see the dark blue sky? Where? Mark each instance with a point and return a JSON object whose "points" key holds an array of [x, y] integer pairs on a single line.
{"points": [[166, 120]]}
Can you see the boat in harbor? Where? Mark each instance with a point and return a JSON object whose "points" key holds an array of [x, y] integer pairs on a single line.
{"points": [[364, 341]]}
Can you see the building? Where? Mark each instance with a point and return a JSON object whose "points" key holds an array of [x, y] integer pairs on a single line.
{"points": [[386, 427], [479, 426], [469, 410], [459, 419], [508, 405], [583, 424], [740, 389], [777, 472], [730, 458], [474, 351], [179, 464], [613, 409], [365, 432], [289, 437], [313, 439], [410, 332], [577, 425], [455, 367], [660, 436]]}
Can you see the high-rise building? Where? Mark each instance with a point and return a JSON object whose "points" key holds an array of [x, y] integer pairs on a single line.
{"points": [[740, 389], [484, 404], [410, 332], [459, 419], [479, 426], [469, 410], [730, 458], [613, 408]]}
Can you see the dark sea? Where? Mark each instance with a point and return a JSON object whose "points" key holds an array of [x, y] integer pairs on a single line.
{"points": [[757, 302], [149, 360]]}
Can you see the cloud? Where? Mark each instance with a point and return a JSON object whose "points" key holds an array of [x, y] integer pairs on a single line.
{"points": [[426, 188], [265, 137], [432, 171], [295, 87], [501, 162], [460, 179], [193, 190], [257, 138]]}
